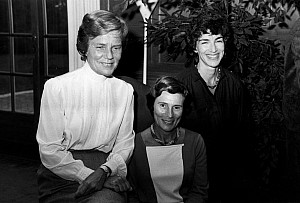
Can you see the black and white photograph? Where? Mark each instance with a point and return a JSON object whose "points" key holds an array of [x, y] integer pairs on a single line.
{"points": [[150, 101]]}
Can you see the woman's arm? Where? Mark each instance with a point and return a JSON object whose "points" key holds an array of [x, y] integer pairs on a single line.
{"points": [[51, 136], [124, 143], [198, 191]]}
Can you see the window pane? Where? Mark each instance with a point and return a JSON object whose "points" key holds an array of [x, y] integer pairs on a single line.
{"points": [[4, 54], [22, 16], [5, 93], [24, 55], [57, 20], [58, 62], [4, 16], [24, 94]]}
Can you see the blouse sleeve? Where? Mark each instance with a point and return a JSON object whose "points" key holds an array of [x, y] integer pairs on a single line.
{"points": [[198, 192], [50, 136], [124, 144]]}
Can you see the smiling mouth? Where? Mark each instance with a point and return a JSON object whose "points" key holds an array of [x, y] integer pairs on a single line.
{"points": [[167, 122], [106, 64], [213, 57]]}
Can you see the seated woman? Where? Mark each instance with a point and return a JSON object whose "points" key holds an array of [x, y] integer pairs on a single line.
{"points": [[85, 132], [168, 162]]}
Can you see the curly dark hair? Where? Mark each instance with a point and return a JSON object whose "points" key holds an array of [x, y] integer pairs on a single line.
{"points": [[97, 23], [214, 22]]}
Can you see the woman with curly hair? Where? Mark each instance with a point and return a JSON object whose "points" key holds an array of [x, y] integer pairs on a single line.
{"points": [[216, 105]]}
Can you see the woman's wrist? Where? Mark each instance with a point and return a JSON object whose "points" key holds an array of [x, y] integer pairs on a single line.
{"points": [[106, 170]]}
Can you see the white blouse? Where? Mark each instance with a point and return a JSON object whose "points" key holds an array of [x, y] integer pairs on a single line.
{"points": [[83, 110]]}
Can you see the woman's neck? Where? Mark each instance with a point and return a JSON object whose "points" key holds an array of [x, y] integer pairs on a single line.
{"points": [[164, 135], [207, 73]]}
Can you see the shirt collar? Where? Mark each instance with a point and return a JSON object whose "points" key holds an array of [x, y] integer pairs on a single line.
{"points": [[92, 74], [196, 75]]}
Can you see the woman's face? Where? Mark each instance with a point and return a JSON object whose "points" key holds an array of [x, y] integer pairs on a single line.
{"points": [[104, 53], [210, 49], [168, 110]]}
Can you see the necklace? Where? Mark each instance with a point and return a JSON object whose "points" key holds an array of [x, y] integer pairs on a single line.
{"points": [[162, 142], [217, 80]]}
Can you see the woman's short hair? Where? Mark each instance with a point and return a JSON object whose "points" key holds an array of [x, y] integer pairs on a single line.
{"points": [[165, 83], [99, 22]]}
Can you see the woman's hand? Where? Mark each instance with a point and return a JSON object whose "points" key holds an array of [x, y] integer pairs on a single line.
{"points": [[117, 183], [92, 183]]}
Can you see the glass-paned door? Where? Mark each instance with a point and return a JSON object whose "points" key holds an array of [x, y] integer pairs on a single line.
{"points": [[17, 55], [56, 38], [33, 48]]}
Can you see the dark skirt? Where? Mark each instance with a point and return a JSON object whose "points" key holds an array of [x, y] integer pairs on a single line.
{"points": [[53, 188]]}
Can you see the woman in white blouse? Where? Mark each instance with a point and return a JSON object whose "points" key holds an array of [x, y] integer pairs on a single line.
{"points": [[85, 132]]}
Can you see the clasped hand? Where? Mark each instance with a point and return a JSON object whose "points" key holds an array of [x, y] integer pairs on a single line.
{"points": [[97, 180], [117, 183]]}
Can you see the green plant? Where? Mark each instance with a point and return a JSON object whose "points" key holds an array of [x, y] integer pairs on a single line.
{"points": [[258, 60]]}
